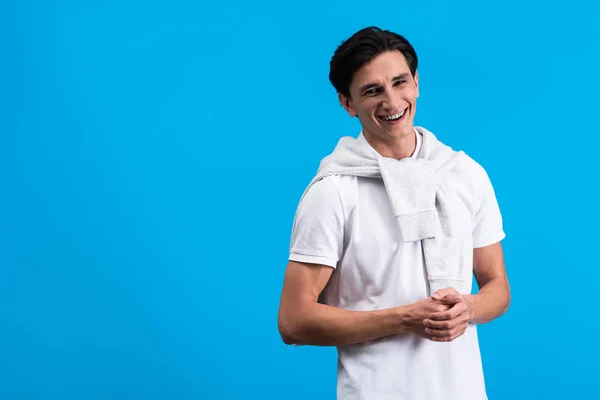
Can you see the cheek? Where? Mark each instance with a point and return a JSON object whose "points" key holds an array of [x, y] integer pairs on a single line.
{"points": [[370, 108], [364, 110], [412, 96]]}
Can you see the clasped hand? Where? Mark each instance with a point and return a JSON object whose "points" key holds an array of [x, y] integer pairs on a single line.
{"points": [[447, 325]]}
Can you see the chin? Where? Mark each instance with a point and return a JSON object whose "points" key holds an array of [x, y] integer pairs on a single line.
{"points": [[402, 131]]}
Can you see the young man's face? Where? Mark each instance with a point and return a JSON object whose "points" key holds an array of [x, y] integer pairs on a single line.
{"points": [[384, 97]]}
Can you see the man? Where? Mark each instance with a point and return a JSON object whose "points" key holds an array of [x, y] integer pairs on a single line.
{"points": [[385, 280]]}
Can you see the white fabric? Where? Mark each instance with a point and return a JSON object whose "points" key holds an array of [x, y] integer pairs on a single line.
{"points": [[347, 223], [423, 201]]}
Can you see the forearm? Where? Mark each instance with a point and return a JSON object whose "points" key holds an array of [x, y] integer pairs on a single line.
{"points": [[322, 325], [491, 301]]}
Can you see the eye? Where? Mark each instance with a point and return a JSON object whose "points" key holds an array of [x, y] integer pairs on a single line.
{"points": [[400, 82], [372, 92]]}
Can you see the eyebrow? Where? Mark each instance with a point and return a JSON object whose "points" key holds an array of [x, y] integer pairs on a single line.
{"points": [[368, 86]]}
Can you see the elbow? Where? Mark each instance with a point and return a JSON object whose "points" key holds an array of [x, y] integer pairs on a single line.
{"points": [[507, 303], [508, 297], [288, 339], [288, 329]]}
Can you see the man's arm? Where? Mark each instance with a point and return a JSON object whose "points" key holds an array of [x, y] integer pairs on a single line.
{"points": [[493, 297], [302, 320]]}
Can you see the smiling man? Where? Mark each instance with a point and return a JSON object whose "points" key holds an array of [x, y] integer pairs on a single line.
{"points": [[386, 240]]}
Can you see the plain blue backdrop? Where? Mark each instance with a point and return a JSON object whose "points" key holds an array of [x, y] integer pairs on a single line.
{"points": [[152, 156]]}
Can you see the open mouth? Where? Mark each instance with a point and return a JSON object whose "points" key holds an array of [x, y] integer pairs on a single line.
{"points": [[394, 118]]}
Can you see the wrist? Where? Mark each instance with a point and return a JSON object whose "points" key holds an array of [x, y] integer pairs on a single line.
{"points": [[403, 316], [469, 298]]}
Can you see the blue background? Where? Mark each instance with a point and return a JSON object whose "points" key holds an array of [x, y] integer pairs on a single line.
{"points": [[152, 157]]}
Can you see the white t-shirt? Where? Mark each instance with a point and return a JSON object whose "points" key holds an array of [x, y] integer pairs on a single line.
{"points": [[346, 222]]}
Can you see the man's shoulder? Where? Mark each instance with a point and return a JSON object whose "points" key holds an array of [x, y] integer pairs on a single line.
{"points": [[330, 185], [466, 166], [471, 178], [332, 191], [339, 182], [343, 181], [470, 167]]}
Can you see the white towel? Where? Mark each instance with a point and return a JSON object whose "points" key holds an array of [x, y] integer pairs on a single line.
{"points": [[422, 201]]}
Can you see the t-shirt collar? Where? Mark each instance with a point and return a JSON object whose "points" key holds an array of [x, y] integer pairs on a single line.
{"points": [[361, 138]]}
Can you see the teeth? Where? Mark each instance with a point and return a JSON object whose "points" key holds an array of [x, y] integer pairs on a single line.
{"points": [[395, 116]]}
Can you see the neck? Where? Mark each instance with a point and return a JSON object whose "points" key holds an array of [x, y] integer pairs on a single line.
{"points": [[393, 147]]}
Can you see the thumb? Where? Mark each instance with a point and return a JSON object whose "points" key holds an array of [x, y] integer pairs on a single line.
{"points": [[437, 296], [440, 294], [452, 299]]}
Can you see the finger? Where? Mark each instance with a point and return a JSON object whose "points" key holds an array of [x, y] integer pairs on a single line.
{"points": [[447, 324], [438, 325], [440, 294], [453, 312], [448, 338], [440, 333], [456, 323], [452, 299]]}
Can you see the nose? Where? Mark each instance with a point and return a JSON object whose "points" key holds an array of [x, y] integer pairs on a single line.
{"points": [[391, 100]]}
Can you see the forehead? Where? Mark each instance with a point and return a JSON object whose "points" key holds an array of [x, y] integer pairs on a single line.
{"points": [[381, 69]]}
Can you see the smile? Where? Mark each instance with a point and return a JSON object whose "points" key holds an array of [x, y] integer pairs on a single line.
{"points": [[393, 117]]}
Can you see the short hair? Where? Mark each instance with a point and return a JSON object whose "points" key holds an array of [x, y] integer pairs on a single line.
{"points": [[361, 48]]}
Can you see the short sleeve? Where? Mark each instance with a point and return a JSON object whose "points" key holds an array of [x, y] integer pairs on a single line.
{"points": [[318, 229], [488, 226]]}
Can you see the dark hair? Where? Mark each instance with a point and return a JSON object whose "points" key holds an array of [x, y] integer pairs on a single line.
{"points": [[360, 49]]}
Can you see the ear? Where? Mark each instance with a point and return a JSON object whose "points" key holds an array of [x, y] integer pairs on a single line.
{"points": [[416, 78], [347, 104]]}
